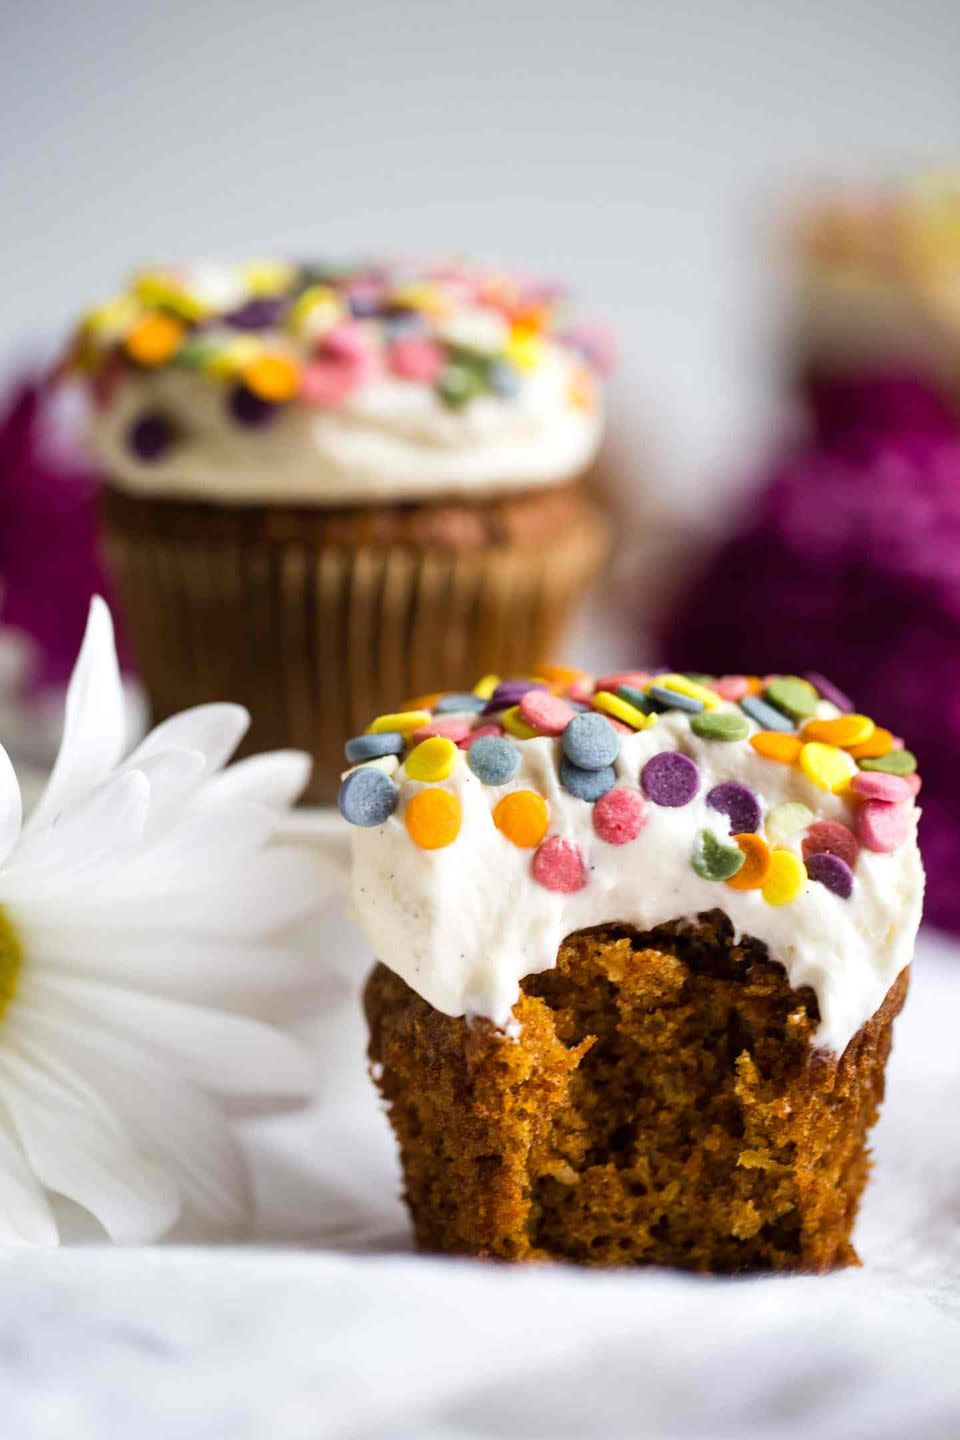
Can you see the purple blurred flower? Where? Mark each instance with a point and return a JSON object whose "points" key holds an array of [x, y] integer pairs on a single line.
{"points": [[49, 560], [848, 562]]}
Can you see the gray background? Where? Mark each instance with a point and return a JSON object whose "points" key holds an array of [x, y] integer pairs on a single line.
{"points": [[634, 147]]}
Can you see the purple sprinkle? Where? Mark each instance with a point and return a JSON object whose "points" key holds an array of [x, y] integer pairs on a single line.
{"points": [[510, 692], [830, 870], [260, 314], [151, 436], [248, 409], [670, 778], [738, 803], [829, 691]]}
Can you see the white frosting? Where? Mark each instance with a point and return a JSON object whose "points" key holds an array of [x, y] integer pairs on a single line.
{"points": [[391, 440], [463, 925]]}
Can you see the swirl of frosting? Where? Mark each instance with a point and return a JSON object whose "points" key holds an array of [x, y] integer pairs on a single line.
{"points": [[251, 383]]}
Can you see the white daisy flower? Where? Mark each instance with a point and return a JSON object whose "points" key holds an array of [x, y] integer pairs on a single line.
{"points": [[142, 897]]}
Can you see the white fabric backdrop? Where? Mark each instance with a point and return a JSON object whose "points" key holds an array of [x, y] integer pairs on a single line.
{"points": [[375, 1343]]}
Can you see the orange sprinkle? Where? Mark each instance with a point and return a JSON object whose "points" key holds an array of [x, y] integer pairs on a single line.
{"points": [[776, 745], [272, 377], [432, 818], [423, 702], [559, 674], [154, 339], [523, 817], [879, 743], [755, 684], [581, 392], [844, 732], [756, 866]]}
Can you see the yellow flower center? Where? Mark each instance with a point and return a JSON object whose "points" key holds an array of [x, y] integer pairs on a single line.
{"points": [[11, 960]]}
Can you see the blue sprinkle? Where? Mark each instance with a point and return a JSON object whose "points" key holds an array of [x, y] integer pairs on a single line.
{"points": [[636, 698], [503, 379], [373, 747], [459, 705], [673, 700], [493, 760], [586, 784], [765, 715], [591, 742], [367, 797]]}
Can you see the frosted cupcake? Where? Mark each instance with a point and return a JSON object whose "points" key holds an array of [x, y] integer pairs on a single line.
{"points": [[642, 943], [328, 487]]}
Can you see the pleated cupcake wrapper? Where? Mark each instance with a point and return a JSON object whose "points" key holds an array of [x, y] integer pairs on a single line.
{"points": [[315, 641]]}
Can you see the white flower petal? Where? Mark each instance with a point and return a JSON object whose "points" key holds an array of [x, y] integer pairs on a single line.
{"points": [[25, 1214], [11, 806], [173, 774], [276, 779], [265, 895], [227, 1054], [214, 730], [94, 724], [173, 1121], [194, 854], [76, 1146], [93, 831], [204, 971]]}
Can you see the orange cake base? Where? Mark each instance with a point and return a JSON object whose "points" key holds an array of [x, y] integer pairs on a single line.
{"points": [[662, 1104]]}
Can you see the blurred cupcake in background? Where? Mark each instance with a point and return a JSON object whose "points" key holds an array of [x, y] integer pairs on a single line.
{"points": [[326, 488], [847, 559]]}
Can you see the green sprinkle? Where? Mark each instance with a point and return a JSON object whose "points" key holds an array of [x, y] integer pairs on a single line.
{"points": [[720, 725], [895, 762], [795, 697], [786, 820], [713, 860], [458, 384]]}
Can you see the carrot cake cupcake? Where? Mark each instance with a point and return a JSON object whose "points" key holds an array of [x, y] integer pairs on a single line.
{"points": [[321, 482], [641, 941]]}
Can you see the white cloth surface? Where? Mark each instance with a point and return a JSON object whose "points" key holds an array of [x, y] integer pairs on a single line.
{"points": [[376, 1343]]}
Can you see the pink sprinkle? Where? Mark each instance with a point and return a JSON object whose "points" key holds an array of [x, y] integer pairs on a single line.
{"points": [[453, 727], [617, 724], [730, 687], [545, 712], [558, 866], [914, 783], [881, 826], [829, 837], [620, 815], [416, 359], [897, 743], [475, 735], [637, 679], [347, 341], [326, 383], [581, 690], [875, 785]]}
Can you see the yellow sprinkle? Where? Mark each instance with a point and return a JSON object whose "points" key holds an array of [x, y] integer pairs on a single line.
{"points": [[511, 722], [827, 766], [484, 688], [156, 289], [786, 820], [844, 731], [226, 361], [317, 310], [111, 320], [268, 277], [403, 721], [525, 350], [711, 700], [420, 297], [431, 760], [785, 878], [612, 704]]}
